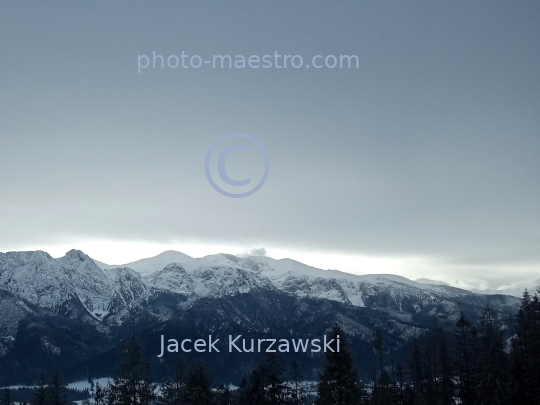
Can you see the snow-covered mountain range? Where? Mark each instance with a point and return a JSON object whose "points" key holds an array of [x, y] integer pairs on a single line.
{"points": [[71, 310], [51, 283]]}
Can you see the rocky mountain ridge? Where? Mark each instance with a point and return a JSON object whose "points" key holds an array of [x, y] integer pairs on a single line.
{"points": [[70, 312], [102, 290]]}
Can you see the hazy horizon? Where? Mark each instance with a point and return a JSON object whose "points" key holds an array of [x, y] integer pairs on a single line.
{"points": [[516, 288]]}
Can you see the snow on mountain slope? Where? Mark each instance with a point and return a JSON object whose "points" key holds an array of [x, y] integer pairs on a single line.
{"points": [[173, 277], [88, 281], [54, 283], [146, 267], [49, 282], [223, 276], [222, 259], [207, 281], [34, 276], [279, 271], [12, 310], [306, 281], [103, 290], [432, 282], [224, 280], [129, 287], [75, 280]]}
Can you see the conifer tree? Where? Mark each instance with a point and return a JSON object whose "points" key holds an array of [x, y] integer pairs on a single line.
{"points": [[297, 392], [100, 395], [445, 383], [384, 391], [416, 372], [339, 383], [255, 389], [265, 384], [132, 386], [431, 369], [518, 388], [466, 343], [242, 392], [40, 393], [224, 396], [491, 363], [111, 396], [56, 392], [6, 398], [526, 352], [402, 389], [272, 369], [421, 363], [377, 344], [198, 390], [172, 391]]}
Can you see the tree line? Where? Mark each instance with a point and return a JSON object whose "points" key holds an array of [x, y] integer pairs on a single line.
{"points": [[480, 363], [53, 391]]}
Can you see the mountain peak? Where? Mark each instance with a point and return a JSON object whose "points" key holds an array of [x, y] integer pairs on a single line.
{"points": [[174, 267], [223, 259], [429, 281], [148, 266], [76, 254]]}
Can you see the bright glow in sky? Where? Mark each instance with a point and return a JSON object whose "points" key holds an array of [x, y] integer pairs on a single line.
{"points": [[121, 252], [478, 278]]}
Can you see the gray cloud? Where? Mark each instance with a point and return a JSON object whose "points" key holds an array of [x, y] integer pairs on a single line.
{"points": [[430, 148], [258, 252]]}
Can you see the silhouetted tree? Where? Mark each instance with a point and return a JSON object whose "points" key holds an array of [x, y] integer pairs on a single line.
{"points": [[40, 392], [402, 389], [297, 391], [224, 396], [172, 392], [339, 383], [100, 395], [132, 387], [272, 369], [445, 381], [6, 398], [491, 363], [525, 365], [198, 390], [255, 388], [56, 392], [466, 344], [384, 391], [242, 392], [377, 344]]}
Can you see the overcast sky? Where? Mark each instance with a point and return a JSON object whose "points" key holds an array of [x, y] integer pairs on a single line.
{"points": [[424, 161]]}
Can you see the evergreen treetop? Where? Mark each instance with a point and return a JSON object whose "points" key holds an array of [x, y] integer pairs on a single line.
{"points": [[339, 383]]}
